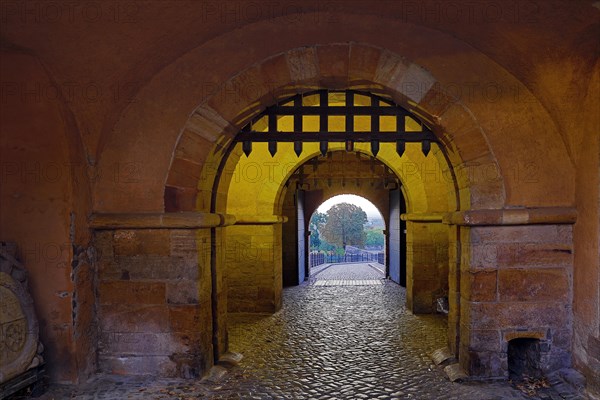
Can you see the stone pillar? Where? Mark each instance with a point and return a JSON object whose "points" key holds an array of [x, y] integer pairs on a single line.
{"points": [[454, 254], [154, 302], [515, 282], [220, 291], [253, 260], [427, 262]]}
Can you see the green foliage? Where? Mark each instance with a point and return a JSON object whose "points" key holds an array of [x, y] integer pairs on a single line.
{"points": [[315, 225], [318, 219], [345, 225], [375, 237]]}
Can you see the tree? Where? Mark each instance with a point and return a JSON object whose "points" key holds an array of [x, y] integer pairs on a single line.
{"points": [[317, 221], [375, 238], [345, 225]]}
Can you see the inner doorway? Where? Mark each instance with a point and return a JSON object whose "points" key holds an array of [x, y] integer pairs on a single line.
{"points": [[320, 181], [310, 147], [346, 241]]}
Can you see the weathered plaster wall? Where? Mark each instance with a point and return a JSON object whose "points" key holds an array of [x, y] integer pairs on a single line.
{"points": [[44, 201]]}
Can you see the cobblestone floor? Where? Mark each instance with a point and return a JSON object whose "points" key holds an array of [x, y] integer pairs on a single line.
{"points": [[349, 271], [332, 342]]}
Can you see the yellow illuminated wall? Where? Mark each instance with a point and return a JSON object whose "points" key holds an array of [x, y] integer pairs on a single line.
{"points": [[254, 189]]}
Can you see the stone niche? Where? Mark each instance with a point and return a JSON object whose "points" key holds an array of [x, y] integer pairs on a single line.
{"points": [[20, 348]]}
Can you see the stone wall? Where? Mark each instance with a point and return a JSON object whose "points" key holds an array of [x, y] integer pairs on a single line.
{"points": [[154, 304], [515, 282], [540, 113], [45, 198], [252, 259], [586, 233], [427, 265], [85, 321]]}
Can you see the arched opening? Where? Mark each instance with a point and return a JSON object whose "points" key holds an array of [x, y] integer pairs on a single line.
{"points": [[347, 242], [317, 180], [325, 240], [480, 146], [287, 161]]}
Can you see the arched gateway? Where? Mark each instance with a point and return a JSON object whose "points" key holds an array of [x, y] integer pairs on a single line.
{"points": [[459, 203]]}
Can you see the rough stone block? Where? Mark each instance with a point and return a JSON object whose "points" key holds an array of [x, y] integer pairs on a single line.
{"points": [[479, 286], [481, 340], [390, 69], [144, 365], [207, 122], [183, 292], [471, 146], [139, 343], [192, 147], [520, 234], [302, 64], [146, 267], [134, 242], [363, 62], [183, 244], [436, 100], [128, 292], [415, 82], [184, 173], [533, 284], [275, 72], [484, 364], [133, 318], [333, 64], [457, 118], [189, 318], [534, 255], [518, 315]]}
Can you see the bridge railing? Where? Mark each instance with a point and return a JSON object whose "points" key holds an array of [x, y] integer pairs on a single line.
{"points": [[318, 258]]}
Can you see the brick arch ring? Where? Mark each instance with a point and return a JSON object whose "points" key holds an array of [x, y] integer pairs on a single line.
{"points": [[339, 66]]}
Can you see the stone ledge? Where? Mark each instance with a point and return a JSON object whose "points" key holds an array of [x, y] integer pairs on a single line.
{"points": [[525, 216], [180, 220], [422, 217], [260, 219]]}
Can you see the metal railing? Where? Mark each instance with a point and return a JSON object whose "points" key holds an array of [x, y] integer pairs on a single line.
{"points": [[318, 258]]}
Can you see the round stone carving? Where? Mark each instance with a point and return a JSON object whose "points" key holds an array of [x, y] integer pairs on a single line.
{"points": [[18, 328]]}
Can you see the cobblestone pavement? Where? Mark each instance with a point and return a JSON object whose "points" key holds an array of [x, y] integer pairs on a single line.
{"points": [[338, 342], [349, 271]]}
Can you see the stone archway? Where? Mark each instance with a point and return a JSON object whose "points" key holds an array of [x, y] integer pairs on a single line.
{"points": [[359, 66], [484, 190], [388, 72], [481, 187]]}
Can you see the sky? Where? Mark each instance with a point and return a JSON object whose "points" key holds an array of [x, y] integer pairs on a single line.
{"points": [[366, 205]]}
